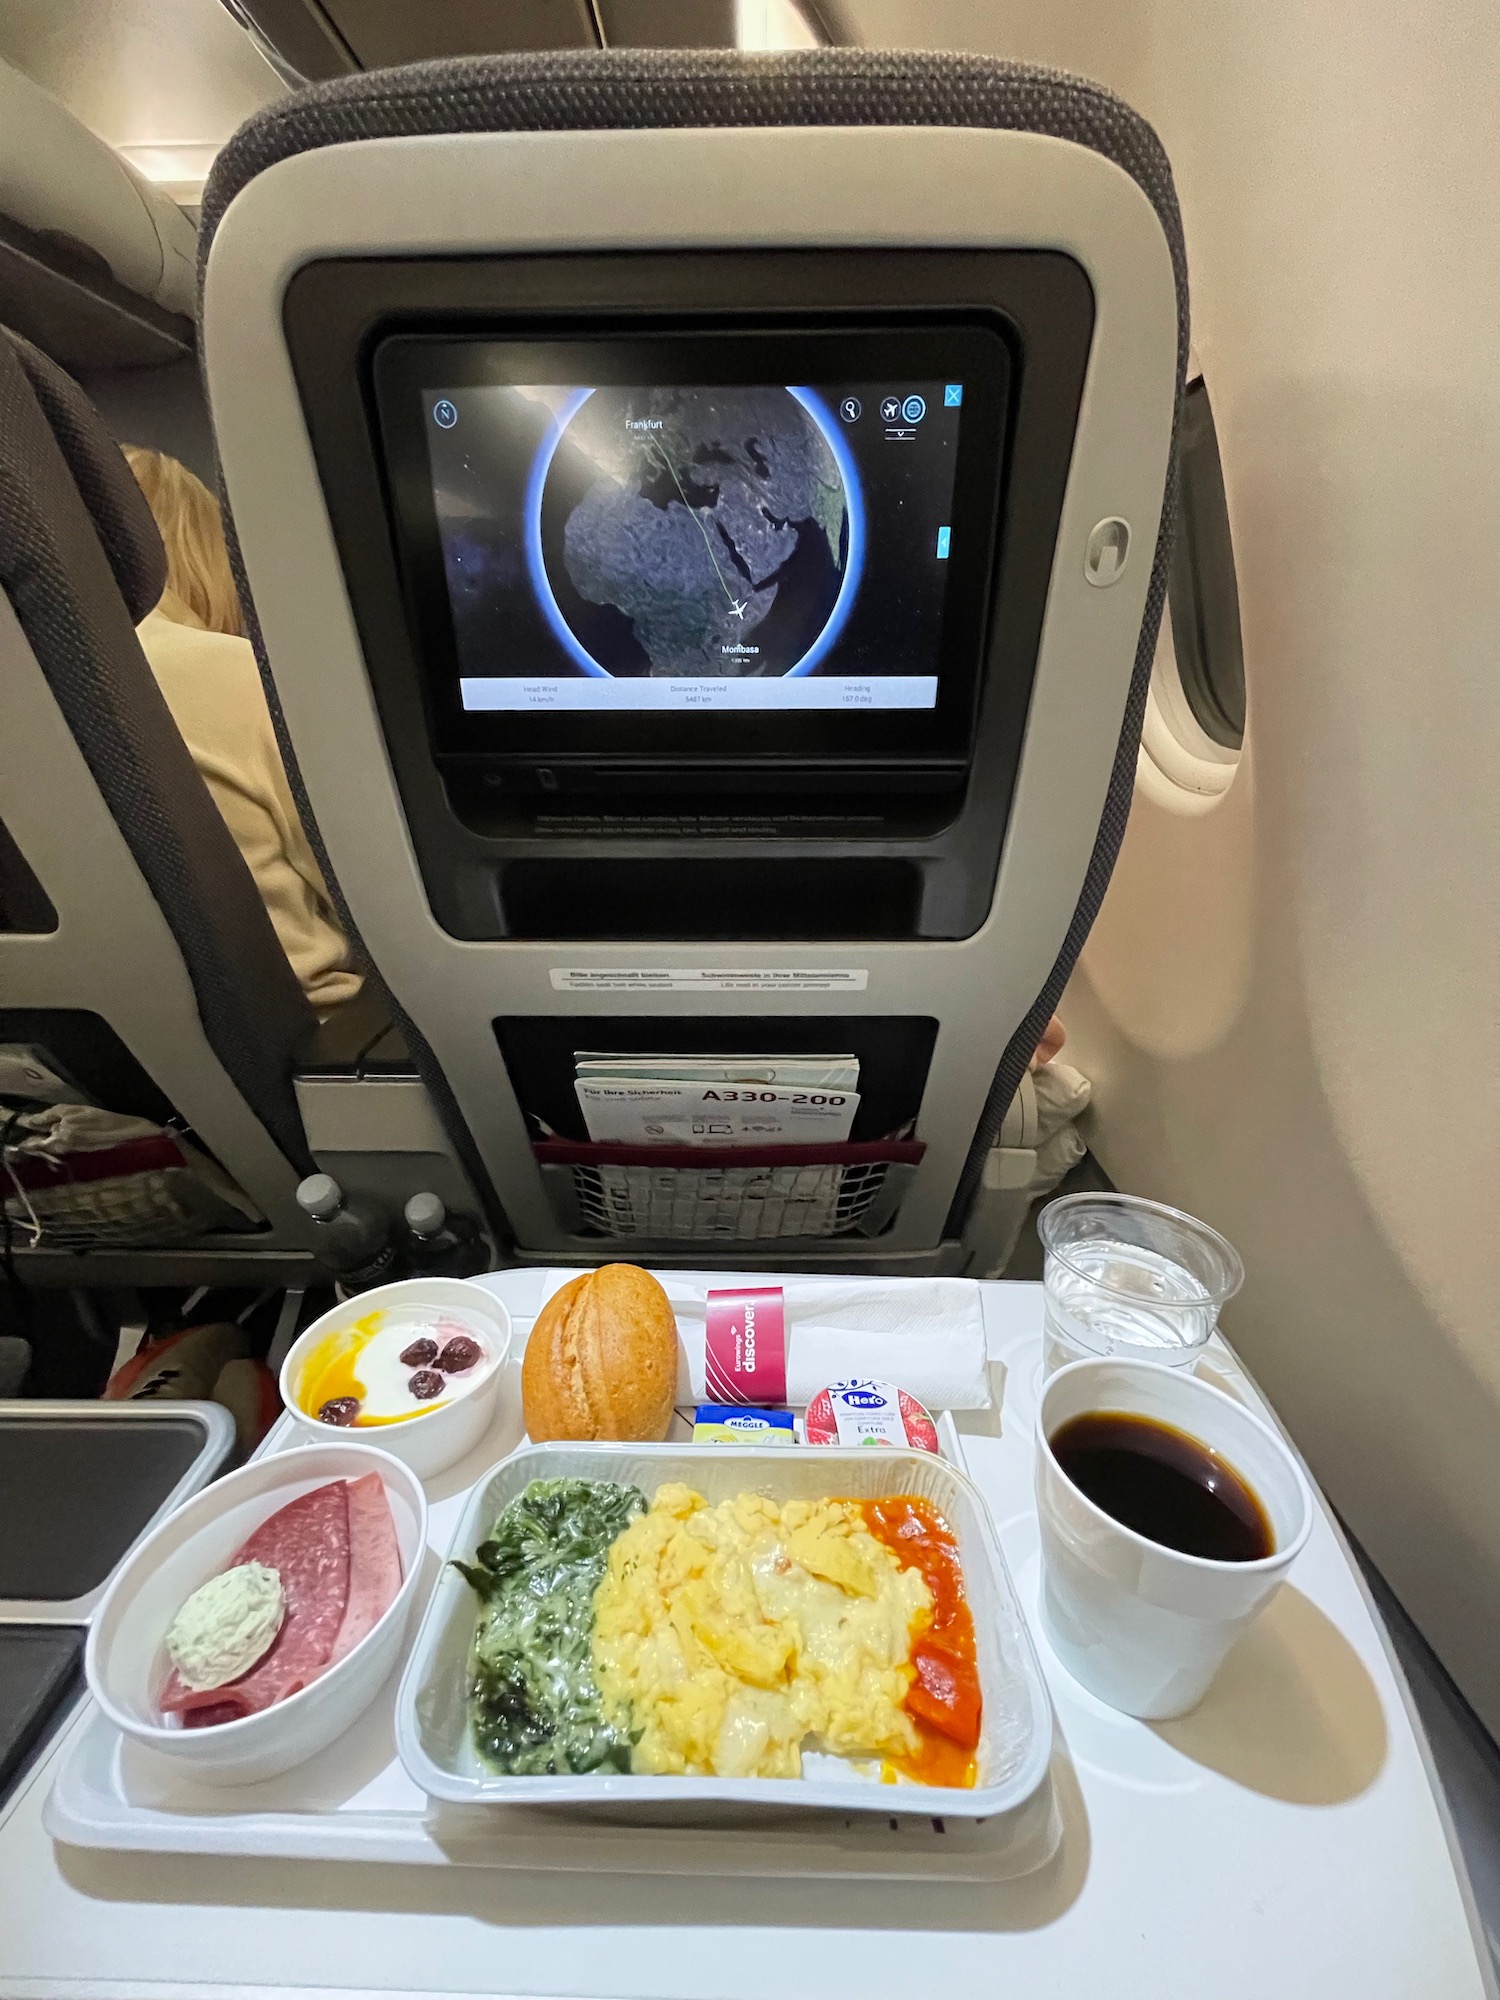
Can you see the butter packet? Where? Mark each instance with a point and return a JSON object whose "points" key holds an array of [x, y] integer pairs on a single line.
{"points": [[735, 1423]]}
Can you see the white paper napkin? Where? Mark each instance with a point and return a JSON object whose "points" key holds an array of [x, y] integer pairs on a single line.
{"points": [[924, 1334]]}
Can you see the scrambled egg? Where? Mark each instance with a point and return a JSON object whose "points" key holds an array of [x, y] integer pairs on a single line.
{"points": [[724, 1636]]}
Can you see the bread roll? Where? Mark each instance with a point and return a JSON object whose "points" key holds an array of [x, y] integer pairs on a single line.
{"points": [[602, 1359]]}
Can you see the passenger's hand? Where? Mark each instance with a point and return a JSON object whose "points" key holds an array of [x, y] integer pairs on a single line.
{"points": [[1053, 1037]]}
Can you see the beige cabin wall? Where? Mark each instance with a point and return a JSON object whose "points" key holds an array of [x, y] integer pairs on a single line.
{"points": [[1289, 1005]]}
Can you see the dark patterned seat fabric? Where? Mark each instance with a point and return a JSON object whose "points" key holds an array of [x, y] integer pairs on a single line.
{"points": [[81, 562]]}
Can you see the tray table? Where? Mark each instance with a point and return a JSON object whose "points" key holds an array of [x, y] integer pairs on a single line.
{"points": [[1288, 1838]]}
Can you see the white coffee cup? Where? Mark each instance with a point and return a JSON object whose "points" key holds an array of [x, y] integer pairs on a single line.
{"points": [[1142, 1626]]}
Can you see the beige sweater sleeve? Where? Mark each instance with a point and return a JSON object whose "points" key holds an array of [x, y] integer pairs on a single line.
{"points": [[212, 687]]}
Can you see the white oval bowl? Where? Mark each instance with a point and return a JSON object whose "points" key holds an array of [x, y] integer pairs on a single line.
{"points": [[126, 1659], [435, 1438]]}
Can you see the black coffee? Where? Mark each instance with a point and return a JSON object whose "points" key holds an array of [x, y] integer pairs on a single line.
{"points": [[1164, 1484]]}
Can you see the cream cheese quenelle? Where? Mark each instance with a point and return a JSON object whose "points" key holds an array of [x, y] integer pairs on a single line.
{"points": [[226, 1626], [393, 1363]]}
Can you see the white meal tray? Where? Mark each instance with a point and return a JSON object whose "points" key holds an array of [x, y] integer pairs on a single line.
{"points": [[355, 1802]]}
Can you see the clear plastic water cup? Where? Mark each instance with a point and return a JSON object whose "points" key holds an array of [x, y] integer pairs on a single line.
{"points": [[1132, 1278]]}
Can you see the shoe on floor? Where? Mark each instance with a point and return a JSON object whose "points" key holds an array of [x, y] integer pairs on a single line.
{"points": [[182, 1368]]}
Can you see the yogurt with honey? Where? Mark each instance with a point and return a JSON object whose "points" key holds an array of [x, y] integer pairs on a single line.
{"points": [[393, 1363]]}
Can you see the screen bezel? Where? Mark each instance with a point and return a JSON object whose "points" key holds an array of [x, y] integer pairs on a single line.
{"points": [[973, 349]]}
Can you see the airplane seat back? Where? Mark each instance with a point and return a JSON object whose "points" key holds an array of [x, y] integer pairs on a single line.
{"points": [[543, 853], [155, 928]]}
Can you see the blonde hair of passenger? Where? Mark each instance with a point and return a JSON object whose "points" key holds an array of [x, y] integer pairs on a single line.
{"points": [[199, 578]]}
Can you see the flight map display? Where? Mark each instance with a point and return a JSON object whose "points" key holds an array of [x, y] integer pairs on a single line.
{"points": [[695, 547]]}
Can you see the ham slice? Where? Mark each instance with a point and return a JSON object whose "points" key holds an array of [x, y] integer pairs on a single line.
{"points": [[374, 1562], [307, 1542]]}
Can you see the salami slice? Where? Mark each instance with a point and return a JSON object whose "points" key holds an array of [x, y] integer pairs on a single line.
{"points": [[307, 1543], [374, 1562]]}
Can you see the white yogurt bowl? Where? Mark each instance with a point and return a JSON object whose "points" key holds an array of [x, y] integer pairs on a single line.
{"points": [[126, 1658], [436, 1434]]}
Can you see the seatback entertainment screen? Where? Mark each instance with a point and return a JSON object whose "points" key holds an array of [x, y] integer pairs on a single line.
{"points": [[734, 547], [618, 529]]}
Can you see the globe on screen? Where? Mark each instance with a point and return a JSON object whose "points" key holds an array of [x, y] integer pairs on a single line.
{"points": [[695, 533]]}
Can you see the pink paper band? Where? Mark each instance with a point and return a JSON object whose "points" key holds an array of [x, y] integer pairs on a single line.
{"points": [[744, 1356]]}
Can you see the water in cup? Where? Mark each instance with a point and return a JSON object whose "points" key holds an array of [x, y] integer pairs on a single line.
{"points": [[1130, 1277], [1116, 1298]]}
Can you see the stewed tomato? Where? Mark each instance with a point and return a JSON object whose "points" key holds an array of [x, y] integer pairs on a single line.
{"points": [[944, 1699]]}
